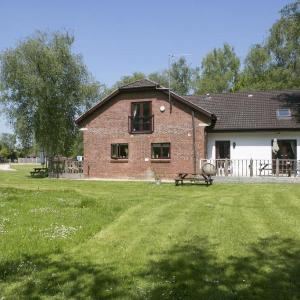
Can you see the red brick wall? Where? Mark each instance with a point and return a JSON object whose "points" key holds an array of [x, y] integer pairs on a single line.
{"points": [[110, 125]]}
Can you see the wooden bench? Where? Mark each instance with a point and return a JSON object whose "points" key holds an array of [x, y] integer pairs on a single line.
{"points": [[194, 178], [39, 172]]}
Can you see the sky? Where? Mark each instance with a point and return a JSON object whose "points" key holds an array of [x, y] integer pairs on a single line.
{"points": [[119, 37]]}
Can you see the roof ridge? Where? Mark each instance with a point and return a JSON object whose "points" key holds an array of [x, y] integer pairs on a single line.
{"points": [[139, 80], [154, 82], [245, 92]]}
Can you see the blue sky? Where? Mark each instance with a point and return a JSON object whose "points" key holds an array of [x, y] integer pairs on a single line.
{"points": [[118, 37]]}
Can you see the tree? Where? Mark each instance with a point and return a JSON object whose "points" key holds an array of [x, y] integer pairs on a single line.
{"points": [[180, 72], [160, 77], [283, 45], [276, 63], [123, 81], [219, 71], [129, 79], [8, 146], [44, 87], [181, 77], [256, 69]]}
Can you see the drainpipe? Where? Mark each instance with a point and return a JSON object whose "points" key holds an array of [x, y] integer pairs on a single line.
{"points": [[194, 144]]}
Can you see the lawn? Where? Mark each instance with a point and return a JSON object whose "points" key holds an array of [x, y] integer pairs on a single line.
{"points": [[64, 239]]}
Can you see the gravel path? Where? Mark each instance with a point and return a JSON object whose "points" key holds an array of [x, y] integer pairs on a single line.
{"points": [[6, 167]]}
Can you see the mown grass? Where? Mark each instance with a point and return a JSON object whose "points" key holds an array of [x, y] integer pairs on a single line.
{"points": [[64, 239]]}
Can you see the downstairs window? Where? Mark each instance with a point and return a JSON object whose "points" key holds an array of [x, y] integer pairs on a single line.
{"points": [[160, 150], [119, 151]]}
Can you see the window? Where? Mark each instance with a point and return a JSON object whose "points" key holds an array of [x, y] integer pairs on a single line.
{"points": [[286, 152], [284, 149], [283, 113], [119, 151], [222, 149], [141, 117], [161, 151]]}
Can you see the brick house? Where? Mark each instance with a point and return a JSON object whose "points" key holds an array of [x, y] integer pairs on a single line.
{"points": [[142, 131], [136, 132]]}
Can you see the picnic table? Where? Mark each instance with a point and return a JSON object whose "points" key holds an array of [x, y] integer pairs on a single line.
{"points": [[194, 178], [39, 172]]}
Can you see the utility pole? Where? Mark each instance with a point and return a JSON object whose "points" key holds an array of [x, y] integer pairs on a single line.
{"points": [[170, 56]]}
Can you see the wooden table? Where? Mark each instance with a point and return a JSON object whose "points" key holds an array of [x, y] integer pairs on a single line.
{"points": [[39, 172], [191, 177]]}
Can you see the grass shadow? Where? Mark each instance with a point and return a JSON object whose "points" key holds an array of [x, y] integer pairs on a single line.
{"points": [[58, 277], [271, 270]]}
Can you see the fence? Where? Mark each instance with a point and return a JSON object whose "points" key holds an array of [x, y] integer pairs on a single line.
{"points": [[254, 167], [65, 168], [29, 160]]}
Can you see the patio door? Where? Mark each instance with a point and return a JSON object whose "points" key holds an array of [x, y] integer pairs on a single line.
{"points": [[222, 149], [223, 153], [286, 152], [285, 149]]}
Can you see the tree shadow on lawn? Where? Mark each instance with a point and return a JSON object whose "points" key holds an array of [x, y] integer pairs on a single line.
{"points": [[36, 277], [271, 270]]}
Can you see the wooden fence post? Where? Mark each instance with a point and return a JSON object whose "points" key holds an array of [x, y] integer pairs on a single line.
{"points": [[251, 167], [277, 167], [226, 167]]}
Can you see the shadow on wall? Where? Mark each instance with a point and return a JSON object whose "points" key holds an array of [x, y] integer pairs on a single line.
{"points": [[271, 270]]}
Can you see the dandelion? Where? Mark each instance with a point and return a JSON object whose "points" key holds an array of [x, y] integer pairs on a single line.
{"points": [[59, 232], [3, 222]]}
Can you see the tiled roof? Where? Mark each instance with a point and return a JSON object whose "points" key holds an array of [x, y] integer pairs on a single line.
{"points": [[251, 110], [234, 111]]}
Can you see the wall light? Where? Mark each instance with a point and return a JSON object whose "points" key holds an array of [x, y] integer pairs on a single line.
{"points": [[233, 145]]}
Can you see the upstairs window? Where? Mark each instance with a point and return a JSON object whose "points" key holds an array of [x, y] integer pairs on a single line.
{"points": [[119, 151], [283, 113], [161, 150], [141, 119]]}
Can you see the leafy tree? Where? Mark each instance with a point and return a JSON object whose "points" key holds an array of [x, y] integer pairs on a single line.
{"points": [[181, 76], [77, 148], [283, 44], [123, 81], [129, 79], [256, 69], [276, 63], [8, 146], [161, 78], [219, 71], [45, 86]]}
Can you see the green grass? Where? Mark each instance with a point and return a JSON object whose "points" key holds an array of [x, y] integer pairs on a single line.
{"points": [[64, 239]]}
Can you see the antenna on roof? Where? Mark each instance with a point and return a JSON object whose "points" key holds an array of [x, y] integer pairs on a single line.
{"points": [[171, 57]]}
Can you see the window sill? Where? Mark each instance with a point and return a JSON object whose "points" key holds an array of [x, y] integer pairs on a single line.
{"points": [[141, 132], [160, 160], [119, 160]]}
